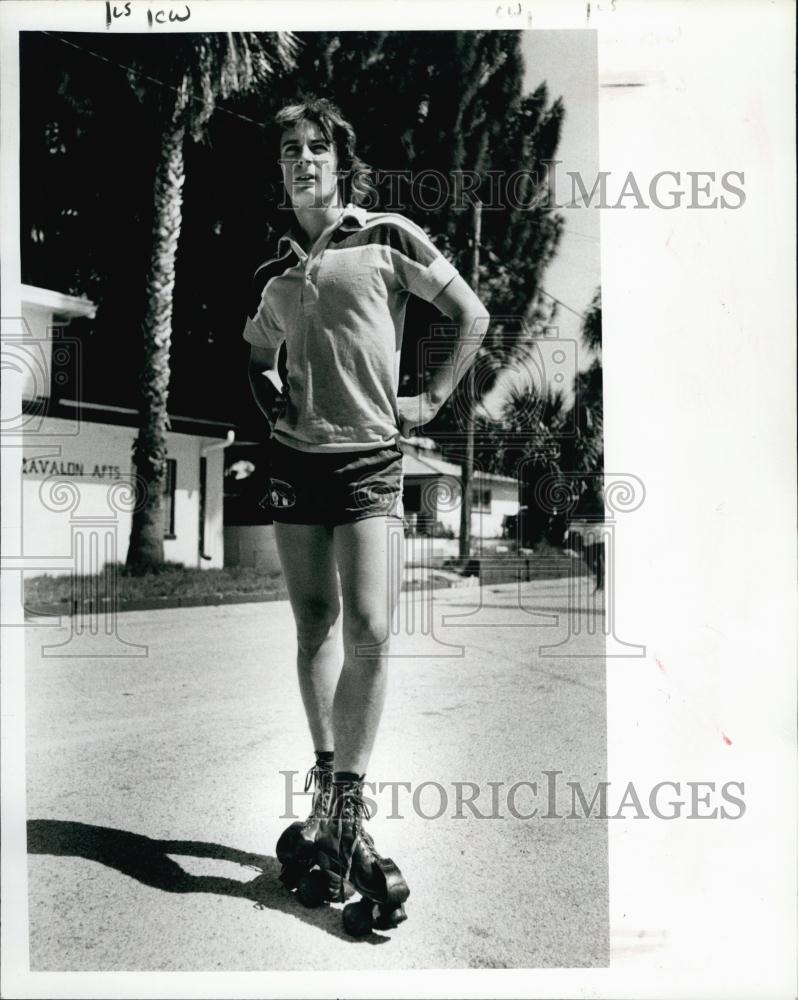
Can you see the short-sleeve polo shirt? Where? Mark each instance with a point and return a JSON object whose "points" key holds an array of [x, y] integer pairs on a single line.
{"points": [[340, 310]]}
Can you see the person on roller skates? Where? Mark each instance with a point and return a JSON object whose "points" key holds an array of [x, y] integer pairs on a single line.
{"points": [[333, 297]]}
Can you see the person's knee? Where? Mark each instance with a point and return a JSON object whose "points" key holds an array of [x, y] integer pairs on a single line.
{"points": [[367, 629], [315, 623]]}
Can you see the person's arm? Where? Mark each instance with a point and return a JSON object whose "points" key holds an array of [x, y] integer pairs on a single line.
{"points": [[265, 382], [460, 304]]}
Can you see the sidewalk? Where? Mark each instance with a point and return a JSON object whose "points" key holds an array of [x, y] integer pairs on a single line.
{"points": [[155, 792]]}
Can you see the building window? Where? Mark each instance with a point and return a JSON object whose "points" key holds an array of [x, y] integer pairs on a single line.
{"points": [[480, 499], [169, 483]]}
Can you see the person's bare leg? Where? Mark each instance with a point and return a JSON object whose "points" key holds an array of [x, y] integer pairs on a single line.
{"points": [[370, 567], [371, 573], [308, 563]]}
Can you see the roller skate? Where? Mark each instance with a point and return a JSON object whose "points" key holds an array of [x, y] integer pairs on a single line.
{"points": [[296, 848], [347, 853]]}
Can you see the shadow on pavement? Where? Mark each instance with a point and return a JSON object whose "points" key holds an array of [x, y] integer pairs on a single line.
{"points": [[149, 862]]}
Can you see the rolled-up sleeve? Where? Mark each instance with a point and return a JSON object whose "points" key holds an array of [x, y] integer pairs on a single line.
{"points": [[419, 265]]}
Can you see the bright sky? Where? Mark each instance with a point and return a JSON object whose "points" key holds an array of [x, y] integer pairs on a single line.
{"points": [[568, 62]]}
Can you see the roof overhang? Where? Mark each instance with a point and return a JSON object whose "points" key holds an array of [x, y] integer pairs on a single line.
{"points": [[64, 305]]}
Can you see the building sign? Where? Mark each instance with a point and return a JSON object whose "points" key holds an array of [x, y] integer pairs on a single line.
{"points": [[77, 470]]}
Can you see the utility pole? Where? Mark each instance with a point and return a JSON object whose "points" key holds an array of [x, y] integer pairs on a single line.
{"points": [[468, 465]]}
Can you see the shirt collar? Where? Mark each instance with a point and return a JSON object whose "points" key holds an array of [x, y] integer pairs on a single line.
{"points": [[352, 217]]}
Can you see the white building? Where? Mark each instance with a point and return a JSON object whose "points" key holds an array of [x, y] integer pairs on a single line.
{"points": [[77, 464], [432, 496]]}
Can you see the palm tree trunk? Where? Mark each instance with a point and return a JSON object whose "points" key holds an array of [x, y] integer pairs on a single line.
{"points": [[149, 451]]}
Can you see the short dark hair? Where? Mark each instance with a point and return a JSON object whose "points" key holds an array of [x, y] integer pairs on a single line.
{"points": [[354, 175]]}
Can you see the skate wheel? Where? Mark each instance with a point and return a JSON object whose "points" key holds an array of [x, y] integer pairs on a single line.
{"points": [[312, 889], [396, 889], [288, 843], [291, 875], [338, 889], [387, 919], [359, 918]]}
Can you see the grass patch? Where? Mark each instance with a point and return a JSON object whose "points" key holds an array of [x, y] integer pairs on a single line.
{"points": [[170, 580]]}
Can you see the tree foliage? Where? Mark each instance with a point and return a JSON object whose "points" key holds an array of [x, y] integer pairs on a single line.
{"points": [[444, 107], [456, 105]]}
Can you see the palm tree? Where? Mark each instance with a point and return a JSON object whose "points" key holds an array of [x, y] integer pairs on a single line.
{"points": [[582, 451], [183, 77], [591, 324], [588, 443]]}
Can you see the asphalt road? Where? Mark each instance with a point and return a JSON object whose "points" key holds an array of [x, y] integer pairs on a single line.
{"points": [[155, 791]]}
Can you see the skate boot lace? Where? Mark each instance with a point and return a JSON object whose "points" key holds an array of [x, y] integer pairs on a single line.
{"points": [[320, 780], [350, 807]]}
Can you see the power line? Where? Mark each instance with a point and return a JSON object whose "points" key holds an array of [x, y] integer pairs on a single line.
{"points": [[425, 185], [245, 118], [573, 232], [146, 76], [563, 304]]}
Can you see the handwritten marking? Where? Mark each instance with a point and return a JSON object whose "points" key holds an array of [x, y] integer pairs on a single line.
{"points": [[509, 10], [112, 13], [600, 8], [160, 16], [167, 15]]}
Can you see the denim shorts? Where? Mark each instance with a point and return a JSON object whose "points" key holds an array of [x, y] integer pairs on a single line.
{"points": [[333, 488]]}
